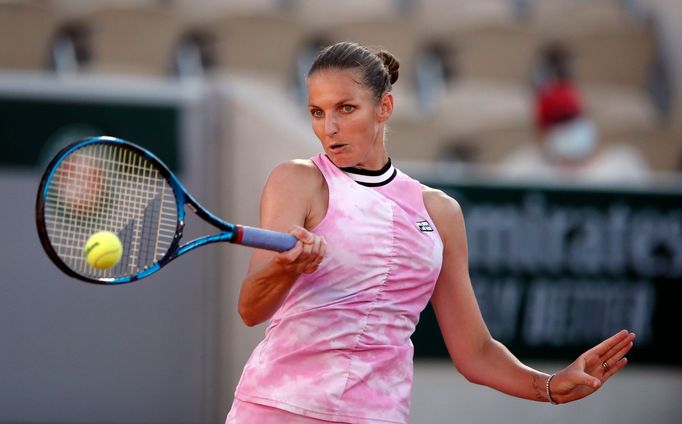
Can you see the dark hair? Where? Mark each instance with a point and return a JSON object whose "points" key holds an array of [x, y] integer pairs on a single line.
{"points": [[556, 59], [379, 70]]}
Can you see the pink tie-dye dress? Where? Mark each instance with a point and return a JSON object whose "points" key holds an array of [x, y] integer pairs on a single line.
{"points": [[339, 347]]}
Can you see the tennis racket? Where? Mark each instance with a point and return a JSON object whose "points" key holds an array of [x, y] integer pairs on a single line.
{"points": [[108, 184]]}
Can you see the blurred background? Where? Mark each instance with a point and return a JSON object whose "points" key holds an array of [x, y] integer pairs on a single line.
{"points": [[557, 124]]}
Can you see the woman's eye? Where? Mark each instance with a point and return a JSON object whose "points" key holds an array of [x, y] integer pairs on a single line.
{"points": [[348, 108], [316, 113]]}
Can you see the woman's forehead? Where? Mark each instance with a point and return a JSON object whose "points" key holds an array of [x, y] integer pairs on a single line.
{"points": [[330, 83]]}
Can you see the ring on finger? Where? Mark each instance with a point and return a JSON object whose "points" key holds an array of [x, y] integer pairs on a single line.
{"points": [[605, 365]]}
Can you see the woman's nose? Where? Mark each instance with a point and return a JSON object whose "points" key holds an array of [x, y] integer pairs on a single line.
{"points": [[330, 126]]}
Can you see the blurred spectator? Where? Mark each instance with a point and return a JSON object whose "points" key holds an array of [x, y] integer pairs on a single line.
{"points": [[557, 99], [568, 145]]}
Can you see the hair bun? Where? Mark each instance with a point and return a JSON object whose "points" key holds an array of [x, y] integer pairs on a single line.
{"points": [[391, 63]]}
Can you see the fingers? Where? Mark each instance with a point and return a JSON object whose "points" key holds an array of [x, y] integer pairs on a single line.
{"points": [[613, 368], [313, 253], [608, 357], [591, 370], [308, 253], [619, 350], [302, 234], [616, 360], [604, 347]]}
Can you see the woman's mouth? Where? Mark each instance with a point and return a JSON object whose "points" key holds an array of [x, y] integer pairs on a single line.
{"points": [[338, 147]]}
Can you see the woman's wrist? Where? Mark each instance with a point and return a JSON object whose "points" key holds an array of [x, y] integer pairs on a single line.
{"points": [[548, 389]]}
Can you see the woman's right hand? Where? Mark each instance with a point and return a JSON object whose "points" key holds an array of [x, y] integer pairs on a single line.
{"points": [[306, 256]]}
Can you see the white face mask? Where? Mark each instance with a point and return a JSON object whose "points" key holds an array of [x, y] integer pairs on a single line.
{"points": [[573, 140]]}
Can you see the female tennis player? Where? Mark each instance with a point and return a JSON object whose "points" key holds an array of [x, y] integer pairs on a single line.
{"points": [[374, 247]]}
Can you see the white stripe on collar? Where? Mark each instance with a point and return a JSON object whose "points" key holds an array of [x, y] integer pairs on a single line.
{"points": [[372, 178]]}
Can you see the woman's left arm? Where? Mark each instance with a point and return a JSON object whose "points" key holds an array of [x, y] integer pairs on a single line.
{"points": [[481, 358]]}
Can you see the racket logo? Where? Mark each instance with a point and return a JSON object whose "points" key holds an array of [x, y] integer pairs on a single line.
{"points": [[424, 226]]}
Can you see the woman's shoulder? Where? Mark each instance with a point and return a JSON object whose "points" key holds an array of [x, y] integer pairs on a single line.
{"points": [[297, 172], [296, 166], [443, 209], [439, 201], [297, 185]]}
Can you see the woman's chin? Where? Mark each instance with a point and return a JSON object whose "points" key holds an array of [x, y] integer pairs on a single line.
{"points": [[341, 159]]}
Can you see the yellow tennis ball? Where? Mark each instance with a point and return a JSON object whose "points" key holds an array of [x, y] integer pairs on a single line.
{"points": [[103, 250]]}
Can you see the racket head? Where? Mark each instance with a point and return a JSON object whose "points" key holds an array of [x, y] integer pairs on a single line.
{"points": [[108, 184]]}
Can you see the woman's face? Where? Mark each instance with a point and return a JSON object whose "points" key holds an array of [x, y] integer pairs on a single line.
{"points": [[347, 119]]}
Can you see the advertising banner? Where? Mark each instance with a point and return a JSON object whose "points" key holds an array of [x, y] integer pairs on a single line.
{"points": [[557, 269]]}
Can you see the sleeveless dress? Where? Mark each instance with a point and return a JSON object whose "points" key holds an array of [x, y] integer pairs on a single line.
{"points": [[339, 347]]}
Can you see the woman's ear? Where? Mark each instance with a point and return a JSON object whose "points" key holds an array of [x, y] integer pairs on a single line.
{"points": [[385, 107]]}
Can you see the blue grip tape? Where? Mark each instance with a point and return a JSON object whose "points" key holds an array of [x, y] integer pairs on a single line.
{"points": [[266, 239]]}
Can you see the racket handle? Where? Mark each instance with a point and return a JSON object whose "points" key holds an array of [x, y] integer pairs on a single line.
{"points": [[265, 239]]}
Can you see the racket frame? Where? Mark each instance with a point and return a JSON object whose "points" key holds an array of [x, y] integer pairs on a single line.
{"points": [[228, 232]]}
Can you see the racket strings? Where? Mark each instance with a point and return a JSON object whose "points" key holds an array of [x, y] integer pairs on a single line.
{"points": [[105, 187]]}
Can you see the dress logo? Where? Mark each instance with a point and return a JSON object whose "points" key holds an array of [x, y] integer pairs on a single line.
{"points": [[424, 226]]}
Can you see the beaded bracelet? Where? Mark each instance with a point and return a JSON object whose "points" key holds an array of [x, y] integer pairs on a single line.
{"points": [[549, 394]]}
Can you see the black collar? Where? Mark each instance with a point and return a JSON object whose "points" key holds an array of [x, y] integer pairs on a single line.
{"points": [[370, 178]]}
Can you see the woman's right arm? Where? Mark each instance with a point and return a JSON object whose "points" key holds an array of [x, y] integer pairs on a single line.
{"points": [[287, 200]]}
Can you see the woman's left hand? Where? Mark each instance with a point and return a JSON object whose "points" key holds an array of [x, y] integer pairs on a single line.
{"points": [[591, 370]]}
